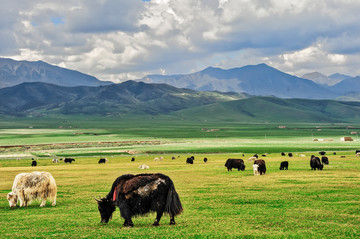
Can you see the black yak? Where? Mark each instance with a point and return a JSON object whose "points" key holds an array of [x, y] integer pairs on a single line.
{"points": [[235, 163], [315, 163], [102, 160], [189, 161], [284, 165], [69, 160], [33, 163], [262, 166], [139, 195], [205, 160], [325, 160]]}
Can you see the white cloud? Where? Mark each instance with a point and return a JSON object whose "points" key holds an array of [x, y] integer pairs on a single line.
{"points": [[117, 40]]}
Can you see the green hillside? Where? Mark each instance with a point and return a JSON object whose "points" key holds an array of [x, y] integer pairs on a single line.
{"points": [[268, 109]]}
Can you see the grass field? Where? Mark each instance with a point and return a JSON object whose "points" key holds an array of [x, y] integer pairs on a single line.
{"points": [[298, 203]]}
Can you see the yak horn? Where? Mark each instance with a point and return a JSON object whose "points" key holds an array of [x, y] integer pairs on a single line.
{"points": [[98, 200]]}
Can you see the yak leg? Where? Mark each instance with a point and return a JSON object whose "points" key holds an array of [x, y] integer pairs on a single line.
{"points": [[172, 220], [128, 223], [43, 203], [158, 217]]}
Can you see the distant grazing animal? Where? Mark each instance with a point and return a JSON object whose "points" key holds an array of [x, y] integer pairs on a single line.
{"points": [[172, 157], [256, 156], [31, 186], [140, 194], [357, 151], [132, 159], [55, 160], [69, 160], [161, 158], [262, 165], [322, 152], [357, 154], [256, 169], [189, 161], [252, 159], [103, 160], [324, 160], [33, 163], [334, 153], [284, 165], [290, 154], [235, 163], [144, 166], [156, 159], [205, 160], [264, 155], [342, 156], [315, 163], [283, 154]]}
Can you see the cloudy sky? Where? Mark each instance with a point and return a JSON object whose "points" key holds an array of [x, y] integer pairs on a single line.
{"points": [[127, 39]]}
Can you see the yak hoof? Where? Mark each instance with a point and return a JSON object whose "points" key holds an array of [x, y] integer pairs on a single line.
{"points": [[156, 224], [172, 222]]}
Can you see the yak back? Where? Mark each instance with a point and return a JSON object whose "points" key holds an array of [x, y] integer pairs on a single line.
{"points": [[127, 183]]}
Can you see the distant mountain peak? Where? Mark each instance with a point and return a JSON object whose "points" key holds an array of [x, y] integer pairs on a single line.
{"points": [[320, 78], [14, 72]]}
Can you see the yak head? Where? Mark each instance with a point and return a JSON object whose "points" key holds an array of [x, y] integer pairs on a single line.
{"points": [[106, 208], [12, 198], [242, 167]]}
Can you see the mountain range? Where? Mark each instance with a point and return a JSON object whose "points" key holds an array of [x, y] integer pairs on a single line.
{"points": [[257, 93], [260, 80], [140, 99]]}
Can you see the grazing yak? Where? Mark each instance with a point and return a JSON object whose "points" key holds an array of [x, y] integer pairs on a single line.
{"points": [[235, 163], [132, 159], [68, 160], [283, 154], [322, 153], [103, 160], [205, 160], [33, 163], [324, 160], [144, 166], [30, 186], [284, 165], [252, 159], [262, 166], [140, 194], [315, 163], [189, 161], [256, 169], [290, 154], [55, 160]]}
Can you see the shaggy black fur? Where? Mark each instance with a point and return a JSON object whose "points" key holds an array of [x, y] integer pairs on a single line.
{"points": [[315, 163], [284, 165], [139, 195], [235, 163], [262, 166]]}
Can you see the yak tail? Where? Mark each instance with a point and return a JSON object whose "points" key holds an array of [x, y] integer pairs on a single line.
{"points": [[173, 205]]}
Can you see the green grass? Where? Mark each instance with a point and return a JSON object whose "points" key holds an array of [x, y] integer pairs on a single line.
{"points": [[298, 203]]}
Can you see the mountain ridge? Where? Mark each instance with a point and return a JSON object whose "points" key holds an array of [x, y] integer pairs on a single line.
{"points": [[259, 80], [14, 72]]}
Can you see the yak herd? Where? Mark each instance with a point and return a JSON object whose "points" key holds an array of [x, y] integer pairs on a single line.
{"points": [[134, 194]]}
